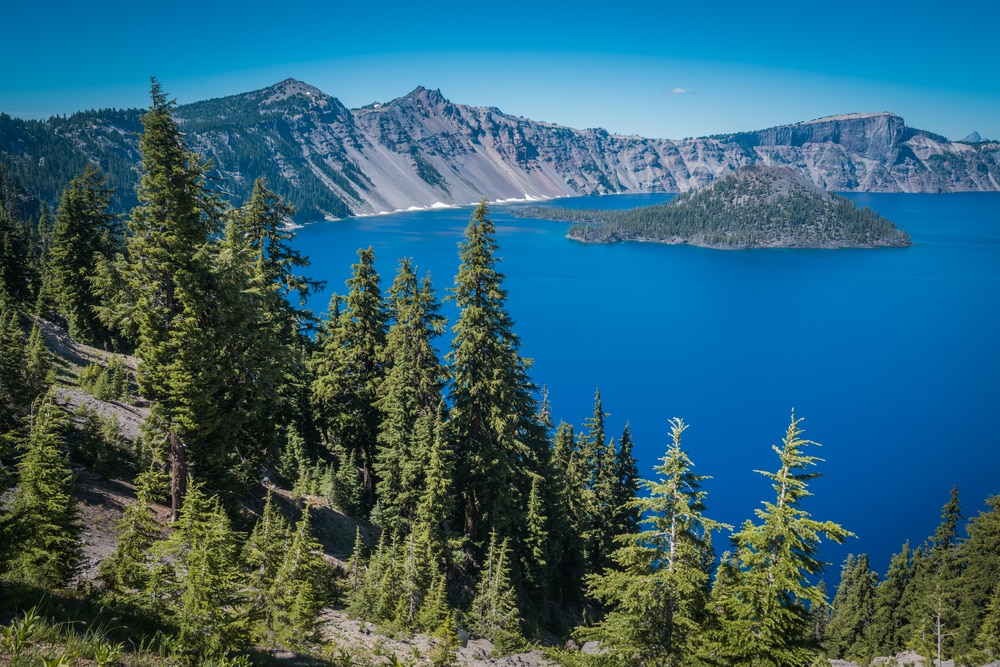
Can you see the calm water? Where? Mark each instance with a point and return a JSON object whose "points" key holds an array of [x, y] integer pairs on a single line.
{"points": [[889, 355]]}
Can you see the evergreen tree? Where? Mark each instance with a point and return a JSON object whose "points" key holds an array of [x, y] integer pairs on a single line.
{"points": [[658, 591], [84, 232], [167, 270], [348, 370], [409, 397], [435, 609], [262, 558], [912, 603], [494, 613], [564, 490], [988, 639], [493, 422], [205, 597], [979, 588], [593, 444], [623, 513], [14, 392], [46, 299], [39, 370], [43, 517], [598, 482], [375, 596], [18, 255], [930, 603], [885, 634], [853, 611], [269, 323], [126, 572], [348, 492], [436, 503], [766, 608], [356, 569], [299, 586], [538, 557]]}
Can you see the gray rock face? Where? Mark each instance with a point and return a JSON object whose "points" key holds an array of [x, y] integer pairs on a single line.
{"points": [[422, 151]]}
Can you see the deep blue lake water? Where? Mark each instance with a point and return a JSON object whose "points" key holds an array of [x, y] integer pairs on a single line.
{"points": [[891, 355]]}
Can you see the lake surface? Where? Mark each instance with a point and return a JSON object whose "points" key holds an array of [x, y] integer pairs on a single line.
{"points": [[890, 355]]}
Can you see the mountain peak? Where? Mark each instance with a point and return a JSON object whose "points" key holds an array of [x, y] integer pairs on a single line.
{"points": [[290, 88], [431, 97], [772, 180]]}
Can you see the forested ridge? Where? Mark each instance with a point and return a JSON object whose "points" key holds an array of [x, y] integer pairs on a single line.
{"points": [[474, 511], [754, 207]]}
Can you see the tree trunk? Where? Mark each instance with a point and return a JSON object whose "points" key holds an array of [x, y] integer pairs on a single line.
{"points": [[178, 475]]}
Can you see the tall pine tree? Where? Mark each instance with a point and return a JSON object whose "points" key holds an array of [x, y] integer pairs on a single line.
{"points": [[658, 591], [494, 423], [769, 590], [409, 397], [166, 269], [979, 589], [852, 612], [348, 370], [85, 232], [885, 634], [264, 368]]}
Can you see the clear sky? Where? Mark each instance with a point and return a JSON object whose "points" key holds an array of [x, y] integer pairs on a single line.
{"points": [[652, 68]]}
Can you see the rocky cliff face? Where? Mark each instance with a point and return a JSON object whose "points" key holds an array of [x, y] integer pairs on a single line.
{"points": [[422, 150]]}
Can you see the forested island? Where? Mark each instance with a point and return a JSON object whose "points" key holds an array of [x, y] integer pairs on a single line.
{"points": [[753, 207], [284, 476]]}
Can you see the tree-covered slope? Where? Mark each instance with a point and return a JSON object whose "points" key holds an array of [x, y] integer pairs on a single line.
{"points": [[754, 207]]}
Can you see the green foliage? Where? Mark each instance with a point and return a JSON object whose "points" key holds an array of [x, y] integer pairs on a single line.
{"points": [[39, 370], [493, 423], [167, 270], [31, 639], [20, 247], [436, 504], [298, 589], [348, 370], [14, 398], [852, 613], [885, 634], [928, 606], [85, 232], [765, 590], [979, 587], [126, 572], [201, 582], [264, 372], [98, 442], [107, 382], [43, 519], [409, 398], [657, 593], [493, 613]]}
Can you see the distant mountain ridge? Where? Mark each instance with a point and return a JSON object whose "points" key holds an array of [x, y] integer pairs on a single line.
{"points": [[422, 151]]}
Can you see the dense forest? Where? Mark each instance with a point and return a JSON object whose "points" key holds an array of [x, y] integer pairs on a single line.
{"points": [[753, 207], [474, 512]]}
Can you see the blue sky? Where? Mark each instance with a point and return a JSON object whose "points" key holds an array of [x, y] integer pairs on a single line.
{"points": [[654, 69]]}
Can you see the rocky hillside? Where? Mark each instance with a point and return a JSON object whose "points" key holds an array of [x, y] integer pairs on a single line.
{"points": [[751, 207], [421, 151]]}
